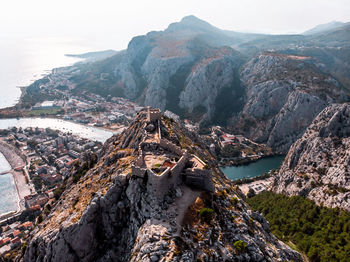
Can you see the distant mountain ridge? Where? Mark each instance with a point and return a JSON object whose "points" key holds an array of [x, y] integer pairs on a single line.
{"points": [[202, 73], [324, 27]]}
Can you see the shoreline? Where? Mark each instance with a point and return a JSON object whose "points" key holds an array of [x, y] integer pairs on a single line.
{"points": [[104, 135], [16, 160]]}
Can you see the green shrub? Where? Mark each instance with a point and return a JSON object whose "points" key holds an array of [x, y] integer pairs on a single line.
{"points": [[240, 246], [299, 183], [235, 200], [40, 219], [206, 214], [58, 192], [24, 248], [251, 193]]}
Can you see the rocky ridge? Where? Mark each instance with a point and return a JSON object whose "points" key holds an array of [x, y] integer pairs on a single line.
{"points": [[116, 214], [284, 94], [210, 76], [189, 68], [317, 164]]}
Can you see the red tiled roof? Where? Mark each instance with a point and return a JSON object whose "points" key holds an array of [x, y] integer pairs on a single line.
{"points": [[27, 224], [16, 240], [16, 233], [6, 240]]}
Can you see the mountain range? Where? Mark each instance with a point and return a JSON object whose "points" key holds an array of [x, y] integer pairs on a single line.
{"points": [[240, 80]]}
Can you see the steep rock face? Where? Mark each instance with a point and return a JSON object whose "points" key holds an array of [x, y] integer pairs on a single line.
{"points": [[284, 94], [128, 71], [208, 78], [112, 214], [317, 164], [181, 68]]}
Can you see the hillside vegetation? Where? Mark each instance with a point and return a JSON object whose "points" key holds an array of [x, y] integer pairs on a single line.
{"points": [[323, 234]]}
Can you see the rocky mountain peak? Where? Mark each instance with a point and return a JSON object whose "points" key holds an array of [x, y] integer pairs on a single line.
{"points": [[194, 23], [156, 194]]}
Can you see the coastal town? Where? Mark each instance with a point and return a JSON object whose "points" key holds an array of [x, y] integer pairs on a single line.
{"points": [[40, 162], [92, 110], [57, 100]]}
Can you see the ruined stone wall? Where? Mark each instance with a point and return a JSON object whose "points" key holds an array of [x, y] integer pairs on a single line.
{"points": [[159, 185], [153, 114], [140, 160], [159, 132], [170, 146], [177, 169], [138, 171], [200, 178]]}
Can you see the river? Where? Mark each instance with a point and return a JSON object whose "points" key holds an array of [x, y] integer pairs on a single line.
{"points": [[253, 169]]}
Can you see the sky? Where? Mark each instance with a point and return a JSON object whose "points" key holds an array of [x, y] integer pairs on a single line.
{"points": [[112, 23]]}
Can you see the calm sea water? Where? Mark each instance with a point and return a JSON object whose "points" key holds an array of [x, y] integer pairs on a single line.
{"points": [[253, 169], [4, 165], [8, 194], [8, 191], [24, 60]]}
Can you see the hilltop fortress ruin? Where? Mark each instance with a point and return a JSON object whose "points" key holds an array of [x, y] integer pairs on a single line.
{"points": [[165, 164]]}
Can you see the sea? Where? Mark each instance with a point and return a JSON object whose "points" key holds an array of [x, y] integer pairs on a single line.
{"points": [[8, 192], [24, 60]]}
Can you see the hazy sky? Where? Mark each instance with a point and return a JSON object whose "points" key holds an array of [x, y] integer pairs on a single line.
{"points": [[111, 24]]}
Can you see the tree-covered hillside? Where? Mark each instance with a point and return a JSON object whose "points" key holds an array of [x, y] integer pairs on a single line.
{"points": [[323, 234]]}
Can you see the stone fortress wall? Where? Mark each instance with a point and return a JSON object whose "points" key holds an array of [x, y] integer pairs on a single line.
{"points": [[153, 114], [160, 184]]}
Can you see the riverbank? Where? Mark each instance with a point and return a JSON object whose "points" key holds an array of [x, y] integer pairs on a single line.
{"points": [[17, 161]]}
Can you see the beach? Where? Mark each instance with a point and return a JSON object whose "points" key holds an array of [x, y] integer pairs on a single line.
{"points": [[17, 161]]}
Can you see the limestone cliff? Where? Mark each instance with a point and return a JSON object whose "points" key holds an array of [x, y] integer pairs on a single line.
{"points": [[180, 69], [189, 68], [284, 95], [155, 194], [317, 164]]}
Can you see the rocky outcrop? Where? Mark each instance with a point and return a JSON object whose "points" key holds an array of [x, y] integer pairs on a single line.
{"points": [[113, 214], [284, 95], [208, 78], [317, 164], [178, 69]]}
